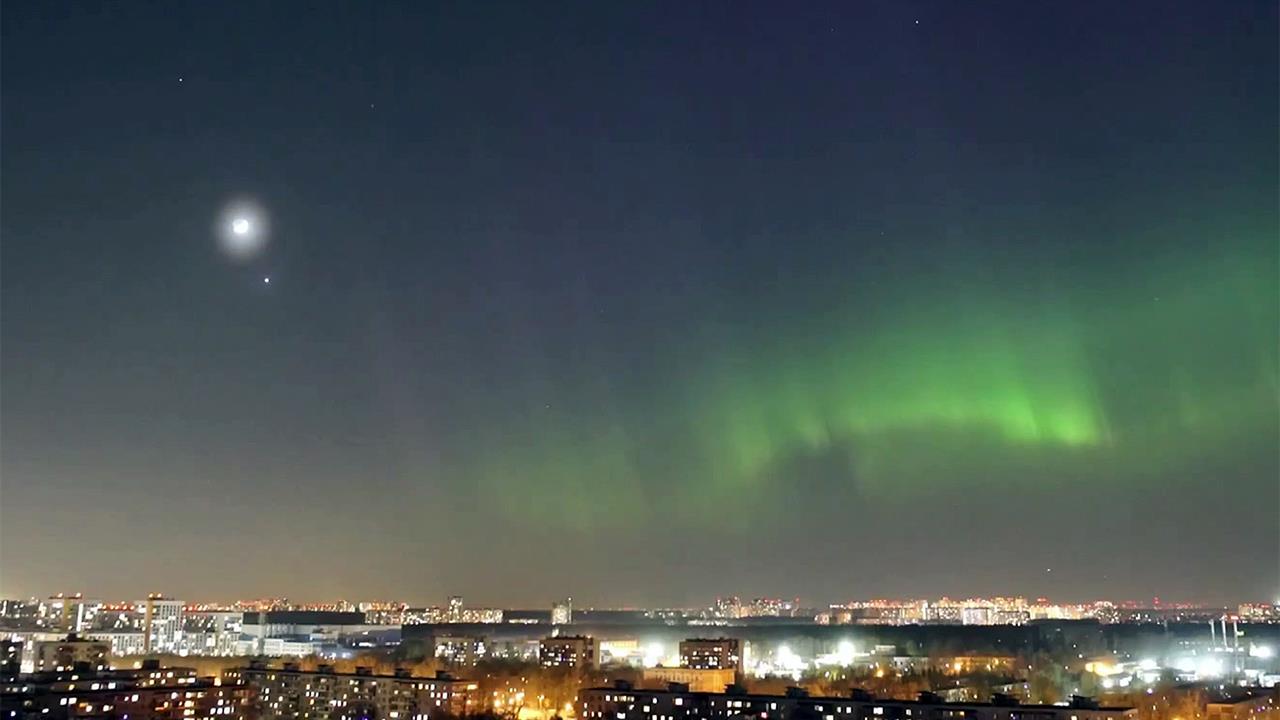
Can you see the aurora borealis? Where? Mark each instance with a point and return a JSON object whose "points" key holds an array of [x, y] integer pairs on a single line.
{"points": [[968, 392], [644, 304]]}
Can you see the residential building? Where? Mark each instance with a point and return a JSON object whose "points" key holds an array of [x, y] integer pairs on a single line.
{"points": [[161, 623], [208, 643], [568, 651], [323, 694], [212, 632], [123, 642], [679, 702], [452, 613], [67, 612], [459, 649], [148, 693], [711, 654]]}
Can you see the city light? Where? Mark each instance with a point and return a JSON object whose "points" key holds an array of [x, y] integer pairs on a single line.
{"points": [[653, 655], [845, 652]]}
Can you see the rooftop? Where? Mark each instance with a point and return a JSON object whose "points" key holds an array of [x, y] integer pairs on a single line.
{"points": [[861, 696]]}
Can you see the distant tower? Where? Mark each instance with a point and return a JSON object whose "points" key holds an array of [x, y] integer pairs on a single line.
{"points": [[455, 609], [562, 612]]}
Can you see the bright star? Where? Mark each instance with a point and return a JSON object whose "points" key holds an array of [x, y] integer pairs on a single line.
{"points": [[240, 226]]}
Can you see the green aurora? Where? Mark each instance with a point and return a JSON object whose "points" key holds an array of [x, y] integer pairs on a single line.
{"points": [[1139, 377]]}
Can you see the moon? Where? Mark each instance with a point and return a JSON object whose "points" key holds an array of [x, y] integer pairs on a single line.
{"points": [[242, 229]]}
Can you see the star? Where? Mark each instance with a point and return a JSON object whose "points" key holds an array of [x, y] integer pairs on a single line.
{"points": [[240, 226], [267, 280]]}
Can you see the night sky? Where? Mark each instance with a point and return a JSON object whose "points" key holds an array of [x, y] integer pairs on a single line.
{"points": [[641, 302]]}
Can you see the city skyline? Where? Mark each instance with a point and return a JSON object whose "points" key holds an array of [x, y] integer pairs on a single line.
{"points": [[791, 603], [640, 303]]}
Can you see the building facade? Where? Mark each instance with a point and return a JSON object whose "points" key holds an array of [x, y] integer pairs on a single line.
{"points": [[697, 680], [161, 623], [279, 633], [711, 654], [123, 643], [568, 651], [679, 702], [148, 693], [458, 649], [323, 694], [67, 612]]}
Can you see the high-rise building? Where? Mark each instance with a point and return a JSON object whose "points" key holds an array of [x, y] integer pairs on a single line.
{"points": [[161, 623], [562, 612], [711, 653], [212, 632], [568, 651], [67, 612]]}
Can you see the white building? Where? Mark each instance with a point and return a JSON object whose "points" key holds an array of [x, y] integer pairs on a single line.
{"points": [[282, 647], [67, 613], [123, 642], [161, 623]]}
